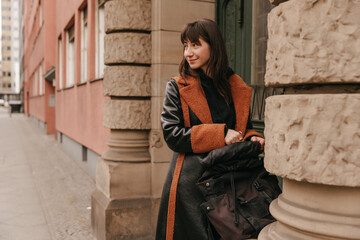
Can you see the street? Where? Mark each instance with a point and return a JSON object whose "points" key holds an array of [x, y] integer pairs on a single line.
{"points": [[44, 195]]}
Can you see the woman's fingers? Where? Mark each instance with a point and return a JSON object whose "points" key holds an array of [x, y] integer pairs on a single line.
{"points": [[259, 140], [233, 136]]}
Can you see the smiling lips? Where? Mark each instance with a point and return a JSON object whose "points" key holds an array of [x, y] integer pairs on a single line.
{"points": [[191, 60]]}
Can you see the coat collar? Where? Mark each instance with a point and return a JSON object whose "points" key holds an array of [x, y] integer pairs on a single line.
{"points": [[194, 96]]}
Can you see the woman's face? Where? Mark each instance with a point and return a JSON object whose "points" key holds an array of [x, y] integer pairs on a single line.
{"points": [[197, 54]]}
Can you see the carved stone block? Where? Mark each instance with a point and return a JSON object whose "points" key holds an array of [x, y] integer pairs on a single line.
{"points": [[127, 47], [116, 179], [127, 81], [125, 219], [128, 14], [313, 41], [314, 138], [127, 114]]}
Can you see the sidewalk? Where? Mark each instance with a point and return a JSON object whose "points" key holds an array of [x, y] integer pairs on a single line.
{"points": [[44, 195]]}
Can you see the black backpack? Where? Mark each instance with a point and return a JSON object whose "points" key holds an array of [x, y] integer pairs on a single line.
{"points": [[237, 191]]}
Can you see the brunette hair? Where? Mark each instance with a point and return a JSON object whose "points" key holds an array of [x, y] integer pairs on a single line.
{"points": [[218, 64]]}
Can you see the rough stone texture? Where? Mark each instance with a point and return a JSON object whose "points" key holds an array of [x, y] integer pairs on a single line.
{"points": [[128, 14], [125, 47], [314, 138], [127, 114], [127, 81], [313, 41], [116, 179]]}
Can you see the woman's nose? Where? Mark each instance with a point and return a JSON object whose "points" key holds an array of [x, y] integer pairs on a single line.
{"points": [[188, 52]]}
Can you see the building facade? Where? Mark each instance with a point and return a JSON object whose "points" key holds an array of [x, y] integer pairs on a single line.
{"points": [[112, 59], [39, 57], [79, 80]]}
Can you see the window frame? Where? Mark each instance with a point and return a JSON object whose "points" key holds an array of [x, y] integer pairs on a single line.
{"points": [[70, 56], [100, 34]]}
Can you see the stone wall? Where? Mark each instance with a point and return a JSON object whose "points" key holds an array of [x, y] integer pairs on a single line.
{"points": [[313, 131]]}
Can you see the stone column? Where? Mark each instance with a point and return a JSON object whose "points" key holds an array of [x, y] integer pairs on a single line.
{"points": [[121, 204], [313, 131]]}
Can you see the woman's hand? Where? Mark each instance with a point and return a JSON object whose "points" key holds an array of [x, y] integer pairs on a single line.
{"points": [[233, 136], [259, 140]]}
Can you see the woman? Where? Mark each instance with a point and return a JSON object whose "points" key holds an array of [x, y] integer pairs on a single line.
{"points": [[205, 108]]}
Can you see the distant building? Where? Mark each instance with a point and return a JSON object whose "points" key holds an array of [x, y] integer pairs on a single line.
{"points": [[6, 68], [15, 47], [10, 78]]}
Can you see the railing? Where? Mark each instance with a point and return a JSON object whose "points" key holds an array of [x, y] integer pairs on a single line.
{"points": [[257, 110]]}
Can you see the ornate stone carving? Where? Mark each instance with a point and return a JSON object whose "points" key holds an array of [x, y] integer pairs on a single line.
{"points": [[127, 81], [127, 114], [155, 139], [312, 41], [128, 14], [127, 47], [314, 138]]}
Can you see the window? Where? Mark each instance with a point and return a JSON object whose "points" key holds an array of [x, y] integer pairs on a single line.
{"points": [[60, 64], [41, 81], [70, 57], [40, 15], [100, 42], [35, 84], [84, 29]]}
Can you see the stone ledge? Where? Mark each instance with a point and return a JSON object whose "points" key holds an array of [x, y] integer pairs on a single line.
{"points": [[312, 41], [128, 14], [314, 138]]}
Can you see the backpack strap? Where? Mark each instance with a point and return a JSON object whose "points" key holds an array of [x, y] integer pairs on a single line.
{"points": [[179, 162]]}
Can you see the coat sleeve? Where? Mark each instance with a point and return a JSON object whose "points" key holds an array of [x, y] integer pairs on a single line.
{"points": [[250, 131], [199, 139]]}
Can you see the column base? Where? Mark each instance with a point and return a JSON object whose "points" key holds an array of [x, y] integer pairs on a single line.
{"points": [[314, 212], [125, 219]]}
